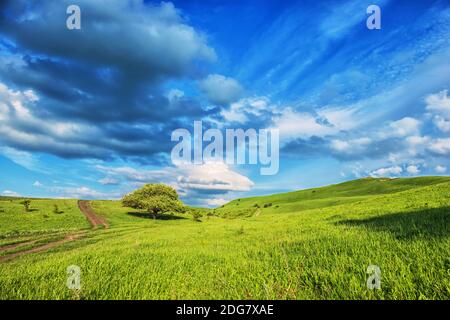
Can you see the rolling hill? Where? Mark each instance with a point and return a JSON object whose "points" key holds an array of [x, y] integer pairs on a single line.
{"points": [[307, 244]]}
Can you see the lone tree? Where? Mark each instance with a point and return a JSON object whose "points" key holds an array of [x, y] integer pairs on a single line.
{"points": [[26, 203], [155, 199]]}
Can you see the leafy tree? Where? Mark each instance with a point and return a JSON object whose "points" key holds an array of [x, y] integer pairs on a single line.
{"points": [[155, 199], [26, 203]]}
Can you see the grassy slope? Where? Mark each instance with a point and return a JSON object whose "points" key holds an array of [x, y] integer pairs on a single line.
{"points": [[304, 248], [347, 192], [14, 221], [41, 224]]}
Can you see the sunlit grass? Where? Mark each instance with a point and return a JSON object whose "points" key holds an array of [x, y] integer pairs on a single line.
{"points": [[305, 245]]}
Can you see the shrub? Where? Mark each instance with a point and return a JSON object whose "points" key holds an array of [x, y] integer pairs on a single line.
{"points": [[26, 203], [196, 216], [268, 205], [155, 199], [56, 209]]}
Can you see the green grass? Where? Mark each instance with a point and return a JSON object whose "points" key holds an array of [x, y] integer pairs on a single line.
{"points": [[15, 222], [309, 244]]}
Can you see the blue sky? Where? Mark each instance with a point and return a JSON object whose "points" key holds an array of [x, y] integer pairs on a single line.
{"points": [[89, 113]]}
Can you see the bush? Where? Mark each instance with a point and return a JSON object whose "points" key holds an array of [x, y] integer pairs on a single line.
{"points": [[196, 216], [155, 199], [56, 209], [268, 205], [26, 203]]}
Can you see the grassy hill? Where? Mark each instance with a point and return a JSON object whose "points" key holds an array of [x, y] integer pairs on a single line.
{"points": [[308, 244], [347, 192]]}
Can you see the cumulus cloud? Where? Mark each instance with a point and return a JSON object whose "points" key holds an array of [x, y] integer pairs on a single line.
{"points": [[202, 182], [294, 124], [440, 169], [404, 127], [220, 90], [215, 202], [247, 109], [438, 104], [387, 171], [440, 146], [9, 193], [413, 169], [212, 177], [442, 124], [37, 184], [350, 146]]}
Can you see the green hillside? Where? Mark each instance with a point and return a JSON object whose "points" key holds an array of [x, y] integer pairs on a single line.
{"points": [[309, 244], [347, 192]]}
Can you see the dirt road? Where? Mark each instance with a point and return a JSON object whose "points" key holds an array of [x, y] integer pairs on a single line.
{"points": [[95, 220]]}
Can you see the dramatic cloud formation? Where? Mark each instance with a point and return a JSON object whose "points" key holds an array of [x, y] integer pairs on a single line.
{"points": [[89, 113], [108, 98]]}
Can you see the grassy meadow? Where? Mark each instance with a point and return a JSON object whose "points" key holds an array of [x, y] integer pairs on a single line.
{"points": [[17, 225], [308, 244]]}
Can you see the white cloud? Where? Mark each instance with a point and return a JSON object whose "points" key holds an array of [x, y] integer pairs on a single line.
{"points": [[405, 127], [9, 193], [440, 146], [440, 169], [240, 110], [293, 124], [220, 89], [439, 103], [350, 146], [37, 184], [413, 169], [442, 123], [212, 176], [387, 172], [215, 202], [82, 193], [208, 178]]}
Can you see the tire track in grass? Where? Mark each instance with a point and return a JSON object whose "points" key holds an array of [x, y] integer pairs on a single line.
{"points": [[16, 245], [95, 220], [50, 245]]}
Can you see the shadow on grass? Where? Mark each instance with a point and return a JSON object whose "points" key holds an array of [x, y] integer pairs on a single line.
{"points": [[428, 223], [154, 216]]}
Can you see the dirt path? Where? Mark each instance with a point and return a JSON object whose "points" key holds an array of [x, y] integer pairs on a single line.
{"points": [[85, 208], [69, 237], [16, 245], [93, 218]]}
